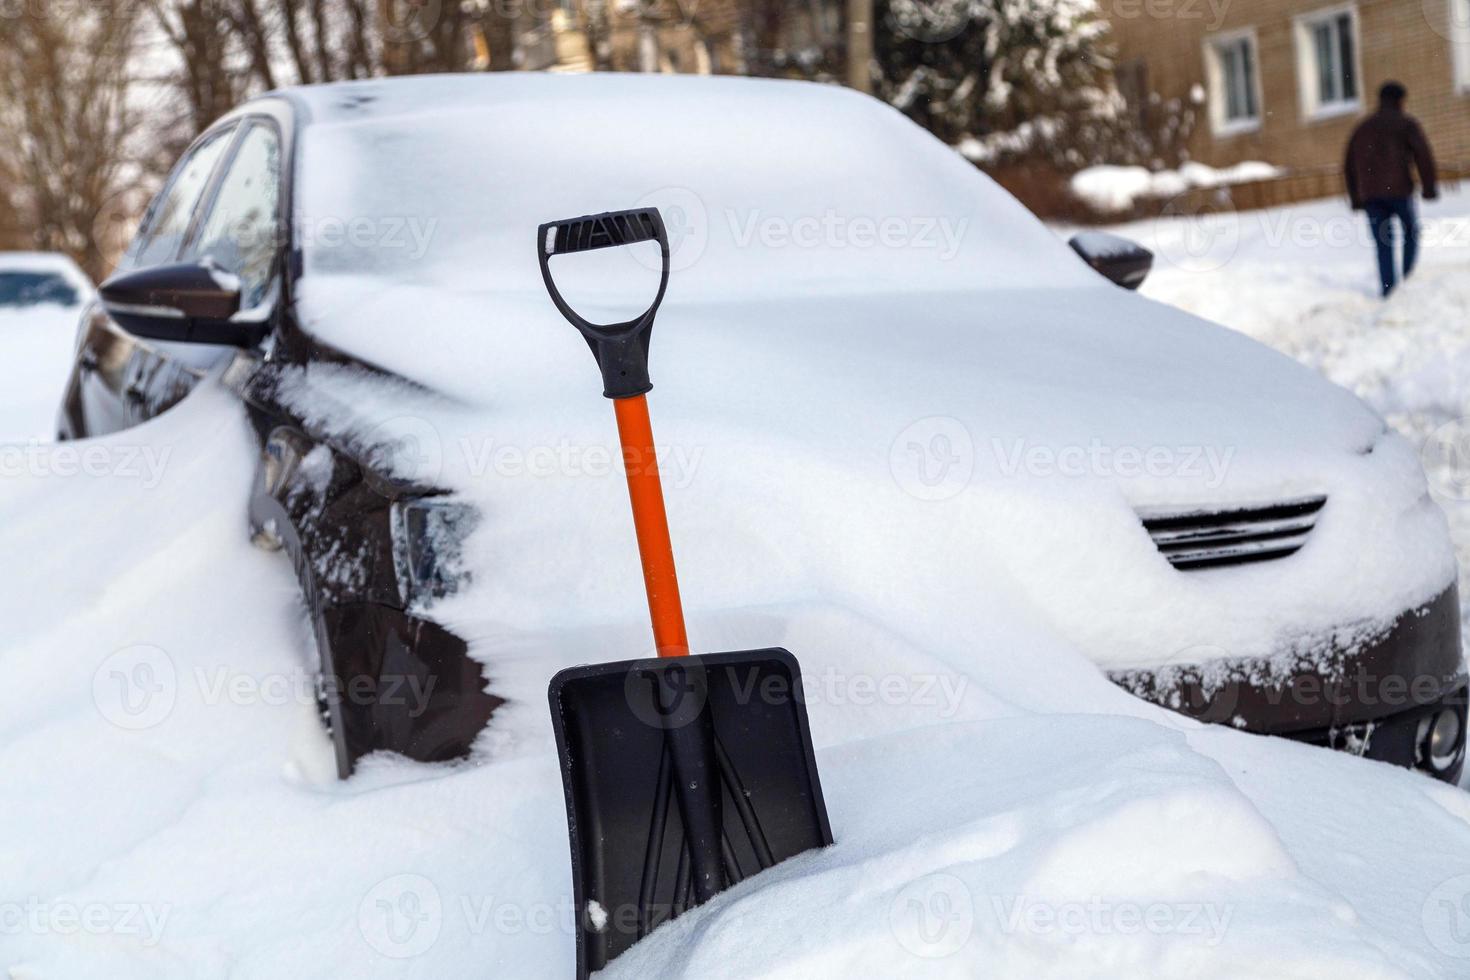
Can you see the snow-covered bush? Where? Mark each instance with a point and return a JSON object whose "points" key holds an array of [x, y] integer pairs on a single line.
{"points": [[1000, 79]]}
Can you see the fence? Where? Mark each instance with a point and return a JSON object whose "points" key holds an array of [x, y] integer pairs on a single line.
{"points": [[1307, 184]]}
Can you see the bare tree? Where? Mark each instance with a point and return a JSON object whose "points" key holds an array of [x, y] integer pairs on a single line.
{"points": [[203, 33], [65, 103], [81, 153], [597, 25], [247, 23], [226, 50], [649, 54]]}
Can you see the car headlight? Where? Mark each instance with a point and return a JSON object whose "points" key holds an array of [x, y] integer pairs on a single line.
{"points": [[428, 547], [1441, 739]]}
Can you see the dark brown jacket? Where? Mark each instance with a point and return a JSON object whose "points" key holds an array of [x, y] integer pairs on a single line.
{"points": [[1379, 154]]}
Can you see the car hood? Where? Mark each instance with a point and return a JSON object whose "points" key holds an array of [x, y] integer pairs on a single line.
{"points": [[1055, 368], [961, 440]]}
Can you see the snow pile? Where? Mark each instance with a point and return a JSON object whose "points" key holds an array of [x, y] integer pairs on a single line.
{"points": [[52, 262], [1001, 809], [1141, 860], [1112, 188]]}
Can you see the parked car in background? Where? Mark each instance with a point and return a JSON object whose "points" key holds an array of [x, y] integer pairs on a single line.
{"points": [[1224, 532], [41, 296]]}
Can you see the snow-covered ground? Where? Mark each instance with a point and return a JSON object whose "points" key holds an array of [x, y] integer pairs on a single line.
{"points": [[1304, 280], [168, 806]]}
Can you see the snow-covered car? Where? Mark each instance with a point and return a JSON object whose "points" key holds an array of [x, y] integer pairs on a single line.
{"points": [[891, 379], [41, 296]]}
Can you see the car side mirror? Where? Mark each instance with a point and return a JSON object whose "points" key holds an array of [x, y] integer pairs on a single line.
{"points": [[188, 302], [1113, 257]]}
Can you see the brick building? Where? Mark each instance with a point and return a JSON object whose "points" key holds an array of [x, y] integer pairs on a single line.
{"points": [[1285, 80]]}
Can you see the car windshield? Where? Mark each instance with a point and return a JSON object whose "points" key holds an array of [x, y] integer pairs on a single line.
{"points": [[33, 288]]}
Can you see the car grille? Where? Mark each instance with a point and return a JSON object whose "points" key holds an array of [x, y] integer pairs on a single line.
{"points": [[1197, 539]]}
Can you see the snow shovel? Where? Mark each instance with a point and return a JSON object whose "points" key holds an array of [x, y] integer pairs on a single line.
{"points": [[684, 774]]}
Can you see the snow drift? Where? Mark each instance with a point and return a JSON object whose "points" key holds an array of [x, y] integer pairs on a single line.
{"points": [[1001, 809]]}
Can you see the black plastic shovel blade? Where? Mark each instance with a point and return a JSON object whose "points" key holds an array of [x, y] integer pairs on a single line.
{"points": [[637, 740]]}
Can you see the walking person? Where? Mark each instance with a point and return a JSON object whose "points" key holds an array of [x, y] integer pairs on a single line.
{"points": [[1379, 181]]}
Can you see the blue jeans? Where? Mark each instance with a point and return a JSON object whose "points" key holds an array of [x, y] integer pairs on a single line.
{"points": [[1381, 212]]}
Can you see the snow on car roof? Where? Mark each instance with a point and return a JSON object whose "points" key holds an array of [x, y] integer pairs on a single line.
{"points": [[45, 262], [769, 187]]}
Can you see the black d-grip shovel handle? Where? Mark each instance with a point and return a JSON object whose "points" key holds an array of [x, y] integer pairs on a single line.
{"points": [[621, 349]]}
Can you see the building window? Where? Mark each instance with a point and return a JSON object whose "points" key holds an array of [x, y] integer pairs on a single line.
{"points": [[1235, 92], [1131, 77], [1327, 62], [1460, 42]]}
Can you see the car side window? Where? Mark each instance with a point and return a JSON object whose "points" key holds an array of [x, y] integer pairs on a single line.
{"points": [[242, 229], [168, 220]]}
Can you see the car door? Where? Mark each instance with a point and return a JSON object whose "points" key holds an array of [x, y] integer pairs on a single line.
{"points": [[111, 370]]}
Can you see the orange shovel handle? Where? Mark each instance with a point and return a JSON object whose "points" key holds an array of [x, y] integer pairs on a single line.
{"points": [[651, 522]]}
